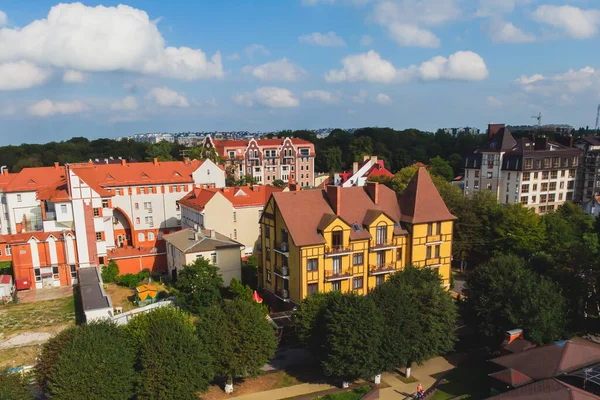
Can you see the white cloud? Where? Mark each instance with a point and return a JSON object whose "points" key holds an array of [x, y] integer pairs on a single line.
{"points": [[269, 97], [72, 76], [526, 80], [370, 67], [383, 98], [21, 75], [494, 102], [47, 108], [125, 104], [280, 70], [366, 40], [3, 18], [329, 39], [577, 23], [491, 8], [322, 95], [360, 97], [505, 32], [256, 48], [122, 38], [165, 97], [405, 20], [572, 81], [233, 57]]}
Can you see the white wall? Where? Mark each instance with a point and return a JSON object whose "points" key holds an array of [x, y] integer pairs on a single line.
{"points": [[209, 174], [29, 205]]}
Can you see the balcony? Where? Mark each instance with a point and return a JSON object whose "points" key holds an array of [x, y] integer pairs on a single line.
{"points": [[337, 274], [50, 216], [282, 248], [382, 269], [282, 294], [282, 271], [331, 251], [383, 245]]}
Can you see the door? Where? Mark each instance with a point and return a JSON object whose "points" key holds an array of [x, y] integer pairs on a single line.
{"points": [[381, 259], [337, 265]]}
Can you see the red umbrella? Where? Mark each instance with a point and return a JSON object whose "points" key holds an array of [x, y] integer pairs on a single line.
{"points": [[256, 297]]}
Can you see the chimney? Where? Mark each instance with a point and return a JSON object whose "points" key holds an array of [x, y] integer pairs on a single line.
{"points": [[123, 162], [373, 191], [213, 234], [354, 167], [5, 171], [155, 161], [334, 194], [541, 142], [493, 129], [186, 160], [56, 164], [512, 335]]}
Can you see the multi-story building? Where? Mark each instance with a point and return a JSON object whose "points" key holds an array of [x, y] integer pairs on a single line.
{"points": [[110, 209], [361, 172], [534, 172], [233, 211], [589, 171], [351, 239], [267, 159], [463, 130]]}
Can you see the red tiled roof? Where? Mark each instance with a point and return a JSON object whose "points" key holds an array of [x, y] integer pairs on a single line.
{"points": [[223, 145], [547, 389], [512, 377], [421, 202], [245, 196], [17, 238], [126, 252], [5, 279], [37, 179], [379, 170], [5, 180]]}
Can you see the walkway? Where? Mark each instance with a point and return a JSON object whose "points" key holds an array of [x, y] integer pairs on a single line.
{"points": [[427, 374]]}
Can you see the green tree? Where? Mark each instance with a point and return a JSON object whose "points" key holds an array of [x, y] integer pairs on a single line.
{"points": [[27, 162], [502, 294], [333, 159], [160, 150], [519, 230], [239, 337], [360, 146], [354, 328], [402, 178], [167, 341], [420, 317], [441, 167], [247, 180], [279, 183], [51, 351], [238, 290], [199, 286], [110, 272], [310, 321], [202, 153], [96, 364], [14, 387]]}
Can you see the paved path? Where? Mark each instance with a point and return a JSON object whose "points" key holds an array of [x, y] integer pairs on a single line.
{"points": [[427, 374]]}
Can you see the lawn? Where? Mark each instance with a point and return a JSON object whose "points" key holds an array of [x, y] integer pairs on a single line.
{"points": [[263, 382], [467, 381], [37, 316], [122, 296], [355, 394]]}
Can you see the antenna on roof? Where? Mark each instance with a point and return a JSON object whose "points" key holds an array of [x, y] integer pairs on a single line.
{"points": [[539, 119]]}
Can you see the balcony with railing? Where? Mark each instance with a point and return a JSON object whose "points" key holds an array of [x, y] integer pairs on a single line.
{"points": [[282, 248], [282, 271], [380, 245], [337, 250], [282, 294], [336, 274], [433, 262], [382, 268]]}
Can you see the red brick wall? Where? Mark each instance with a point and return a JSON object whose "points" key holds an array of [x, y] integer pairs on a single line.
{"points": [[155, 263]]}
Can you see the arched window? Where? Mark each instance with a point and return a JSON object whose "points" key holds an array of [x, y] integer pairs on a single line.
{"points": [[150, 236], [141, 237]]}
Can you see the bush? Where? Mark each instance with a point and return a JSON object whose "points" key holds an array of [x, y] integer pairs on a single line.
{"points": [[143, 274], [51, 351], [97, 363], [110, 272], [129, 280], [14, 386]]}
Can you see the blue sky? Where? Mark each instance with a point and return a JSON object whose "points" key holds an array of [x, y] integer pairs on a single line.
{"points": [[101, 69]]}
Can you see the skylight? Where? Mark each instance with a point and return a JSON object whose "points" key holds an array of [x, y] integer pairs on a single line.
{"points": [[356, 227]]}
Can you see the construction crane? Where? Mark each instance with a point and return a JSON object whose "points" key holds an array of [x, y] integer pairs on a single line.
{"points": [[597, 118], [539, 119]]}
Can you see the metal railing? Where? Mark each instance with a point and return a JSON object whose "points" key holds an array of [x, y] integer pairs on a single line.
{"points": [[337, 249], [338, 273]]}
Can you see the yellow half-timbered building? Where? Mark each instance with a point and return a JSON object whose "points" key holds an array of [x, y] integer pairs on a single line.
{"points": [[351, 239]]}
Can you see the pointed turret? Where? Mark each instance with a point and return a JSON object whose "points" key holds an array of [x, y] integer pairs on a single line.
{"points": [[421, 202]]}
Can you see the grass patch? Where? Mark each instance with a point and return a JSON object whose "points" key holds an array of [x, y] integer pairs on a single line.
{"points": [[354, 394], [20, 317], [404, 379], [19, 356], [6, 268], [467, 381]]}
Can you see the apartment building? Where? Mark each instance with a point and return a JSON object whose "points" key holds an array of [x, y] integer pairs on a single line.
{"points": [[109, 208], [233, 211], [532, 171], [589, 171], [370, 167], [266, 159], [351, 239]]}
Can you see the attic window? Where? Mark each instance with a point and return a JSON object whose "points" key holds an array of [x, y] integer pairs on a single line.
{"points": [[356, 227], [395, 223], [31, 181], [240, 193], [110, 177], [176, 173], [145, 175]]}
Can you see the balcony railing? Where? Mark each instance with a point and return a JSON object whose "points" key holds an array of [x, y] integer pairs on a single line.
{"points": [[382, 268], [336, 274], [282, 271], [282, 248], [282, 294], [50, 216], [337, 250], [383, 245]]}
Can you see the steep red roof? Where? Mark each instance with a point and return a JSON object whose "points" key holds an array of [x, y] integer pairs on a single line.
{"points": [[379, 170], [36, 179], [511, 377], [245, 196], [5, 180], [17, 238], [547, 389], [421, 202]]}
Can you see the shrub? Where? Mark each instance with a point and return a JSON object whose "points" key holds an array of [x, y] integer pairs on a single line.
{"points": [[129, 280], [110, 272], [14, 386], [51, 351]]}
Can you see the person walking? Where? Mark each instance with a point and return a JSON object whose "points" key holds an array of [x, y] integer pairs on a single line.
{"points": [[420, 391]]}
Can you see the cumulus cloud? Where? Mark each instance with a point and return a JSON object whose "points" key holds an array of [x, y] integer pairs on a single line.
{"points": [[72, 76], [122, 38], [526, 80], [383, 98], [505, 32], [370, 67], [322, 95], [256, 48], [329, 39], [366, 40], [577, 23], [125, 104], [165, 97], [407, 21], [48, 108], [3, 18], [280, 70], [572, 81], [269, 97], [21, 75]]}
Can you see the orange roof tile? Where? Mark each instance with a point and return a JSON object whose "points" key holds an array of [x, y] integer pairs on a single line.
{"points": [[421, 202], [5, 180], [245, 196], [17, 238], [47, 179]]}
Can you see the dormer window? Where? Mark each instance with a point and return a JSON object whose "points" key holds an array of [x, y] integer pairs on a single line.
{"points": [[381, 236], [337, 238]]}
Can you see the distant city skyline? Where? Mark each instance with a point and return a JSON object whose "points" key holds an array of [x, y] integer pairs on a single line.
{"points": [[299, 64]]}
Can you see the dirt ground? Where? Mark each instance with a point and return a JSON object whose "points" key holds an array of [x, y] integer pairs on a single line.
{"points": [[268, 381], [31, 296], [19, 356], [122, 296]]}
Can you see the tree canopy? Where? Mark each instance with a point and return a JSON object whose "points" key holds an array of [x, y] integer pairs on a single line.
{"points": [[198, 286], [14, 386]]}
